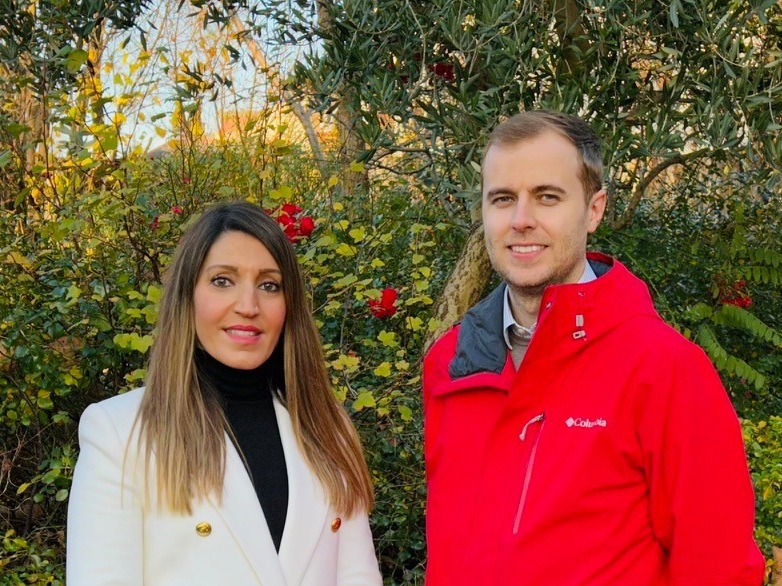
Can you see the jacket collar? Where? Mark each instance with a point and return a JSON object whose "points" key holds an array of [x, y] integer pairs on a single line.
{"points": [[242, 513], [615, 296]]}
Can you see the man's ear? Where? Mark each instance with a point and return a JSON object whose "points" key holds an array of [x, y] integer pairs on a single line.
{"points": [[596, 209]]}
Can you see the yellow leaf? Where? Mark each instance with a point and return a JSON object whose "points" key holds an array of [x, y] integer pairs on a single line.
{"points": [[377, 263], [160, 131], [357, 167], [402, 365], [363, 400], [333, 180], [387, 338], [383, 369], [358, 234], [346, 250], [18, 258], [414, 323], [338, 207]]}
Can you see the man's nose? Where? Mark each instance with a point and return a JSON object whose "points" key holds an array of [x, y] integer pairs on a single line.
{"points": [[523, 215]]}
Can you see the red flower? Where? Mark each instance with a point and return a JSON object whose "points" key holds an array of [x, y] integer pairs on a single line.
{"points": [[306, 226], [293, 223], [176, 210], [744, 301], [155, 223], [386, 305], [290, 208], [285, 220], [735, 294], [291, 233], [186, 180]]}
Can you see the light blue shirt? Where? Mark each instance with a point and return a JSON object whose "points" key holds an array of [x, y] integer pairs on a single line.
{"points": [[507, 315]]}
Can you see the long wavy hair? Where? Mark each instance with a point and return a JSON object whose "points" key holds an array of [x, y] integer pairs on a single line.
{"points": [[181, 422]]}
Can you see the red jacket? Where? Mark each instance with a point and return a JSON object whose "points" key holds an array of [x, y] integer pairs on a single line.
{"points": [[613, 457]]}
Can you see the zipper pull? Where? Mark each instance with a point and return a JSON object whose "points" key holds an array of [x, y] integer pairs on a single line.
{"points": [[579, 333], [536, 419]]}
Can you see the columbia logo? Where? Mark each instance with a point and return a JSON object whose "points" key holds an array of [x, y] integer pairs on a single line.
{"points": [[579, 422]]}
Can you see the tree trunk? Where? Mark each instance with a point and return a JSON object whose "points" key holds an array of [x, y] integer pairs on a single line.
{"points": [[351, 145], [465, 286]]}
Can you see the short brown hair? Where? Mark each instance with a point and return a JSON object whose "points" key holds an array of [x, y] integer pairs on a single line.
{"points": [[527, 125]]}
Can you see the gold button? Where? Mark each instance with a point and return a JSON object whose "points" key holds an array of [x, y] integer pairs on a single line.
{"points": [[336, 524], [203, 529]]}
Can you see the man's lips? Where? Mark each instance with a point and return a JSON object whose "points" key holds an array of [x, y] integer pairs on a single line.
{"points": [[526, 248]]}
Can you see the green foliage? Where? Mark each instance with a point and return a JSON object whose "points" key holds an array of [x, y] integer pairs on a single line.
{"points": [[688, 105], [763, 442], [26, 562], [663, 85]]}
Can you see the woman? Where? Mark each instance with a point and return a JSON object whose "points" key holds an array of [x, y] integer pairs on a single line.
{"points": [[235, 465]]}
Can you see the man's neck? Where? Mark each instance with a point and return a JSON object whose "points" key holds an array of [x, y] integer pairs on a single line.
{"points": [[524, 306]]}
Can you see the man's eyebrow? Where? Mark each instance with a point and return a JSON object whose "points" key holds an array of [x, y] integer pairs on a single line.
{"points": [[544, 188], [500, 191]]}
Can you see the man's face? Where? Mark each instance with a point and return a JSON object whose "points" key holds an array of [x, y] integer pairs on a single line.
{"points": [[536, 217]]}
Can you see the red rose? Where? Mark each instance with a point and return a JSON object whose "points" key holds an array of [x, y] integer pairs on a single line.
{"points": [[385, 306], [290, 209], [306, 226], [176, 210], [285, 220], [291, 233]]}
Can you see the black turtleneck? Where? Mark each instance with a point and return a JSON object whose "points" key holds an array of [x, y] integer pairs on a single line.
{"points": [[247, 399]]}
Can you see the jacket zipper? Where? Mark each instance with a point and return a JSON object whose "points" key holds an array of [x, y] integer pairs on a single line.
{"points": [[530, 464]]}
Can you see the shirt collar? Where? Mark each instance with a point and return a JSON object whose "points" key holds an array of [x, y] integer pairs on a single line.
{"points": [[507, 315]]}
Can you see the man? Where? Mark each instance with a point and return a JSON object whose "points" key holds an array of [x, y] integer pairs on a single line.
{"points": [[572, 438]]}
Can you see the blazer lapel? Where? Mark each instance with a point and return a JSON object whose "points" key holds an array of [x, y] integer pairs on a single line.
{"points": [[243, 515], [307, 505]]}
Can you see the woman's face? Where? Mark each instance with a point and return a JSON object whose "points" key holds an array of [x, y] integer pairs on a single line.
{"points": [[238, 302]]}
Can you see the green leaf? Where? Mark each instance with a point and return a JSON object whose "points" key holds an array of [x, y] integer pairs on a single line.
{"points": [[405, 413], [383, 369], [76, 59], [154, 293], [73, 293], [387, 339], [61, 495], [358, 234], [346, 250], [364, 400]]}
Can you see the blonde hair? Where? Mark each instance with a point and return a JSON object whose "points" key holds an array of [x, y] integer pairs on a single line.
{"points": [[180, 419]]}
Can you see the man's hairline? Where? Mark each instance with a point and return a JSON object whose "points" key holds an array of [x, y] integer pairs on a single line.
{"points": [[513, 142]]}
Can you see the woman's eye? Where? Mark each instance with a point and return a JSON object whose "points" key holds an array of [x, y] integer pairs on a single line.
{"points": [[269, 286], [220, 281]]}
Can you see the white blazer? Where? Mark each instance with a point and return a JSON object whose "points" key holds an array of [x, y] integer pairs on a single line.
{"points": [[113, 540]]}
